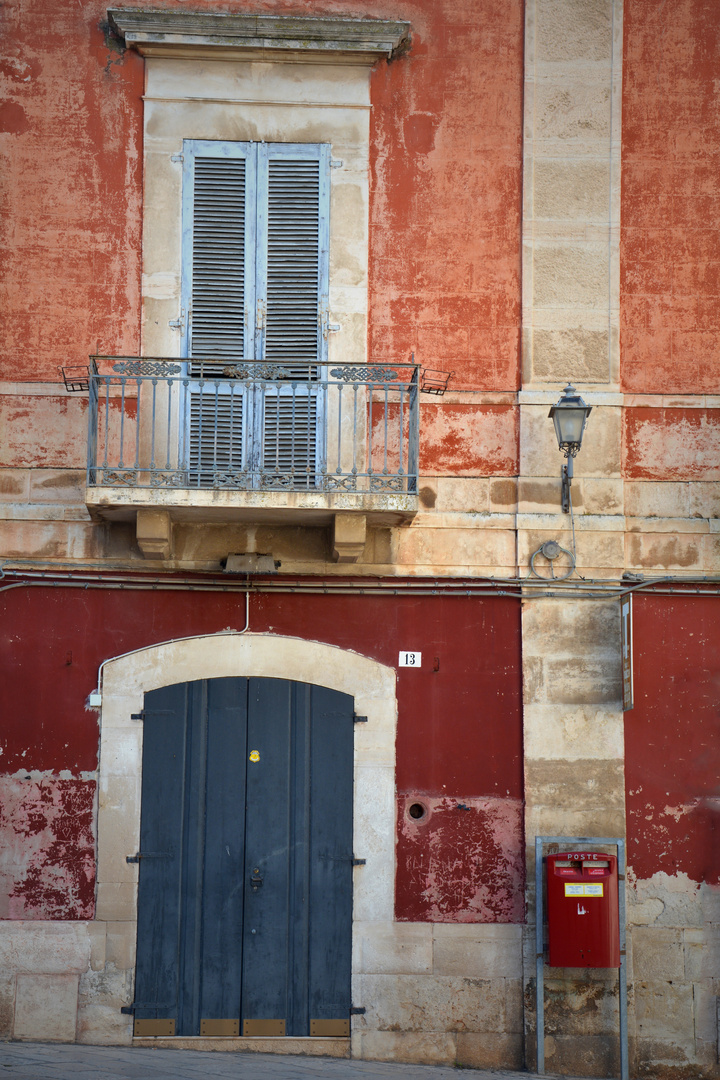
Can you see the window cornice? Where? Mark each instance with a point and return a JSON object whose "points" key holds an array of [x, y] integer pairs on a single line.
{"points": [[188, 33]]}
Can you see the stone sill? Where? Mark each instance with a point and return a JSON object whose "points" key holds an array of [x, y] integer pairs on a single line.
{"points": [[275, 507], [290, 1044]]}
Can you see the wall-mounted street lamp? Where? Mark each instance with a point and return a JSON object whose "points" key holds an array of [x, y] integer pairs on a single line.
{"points": [[569, 415]]}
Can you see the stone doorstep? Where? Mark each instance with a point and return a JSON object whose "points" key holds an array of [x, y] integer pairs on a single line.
{"points": [[304, 1045]]}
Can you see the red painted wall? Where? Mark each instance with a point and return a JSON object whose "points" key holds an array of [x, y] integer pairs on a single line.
{"points": [[671, 444], [72, 216], [672, 739], [459, 729], [670, 247], [446, 186], [445, 196]]}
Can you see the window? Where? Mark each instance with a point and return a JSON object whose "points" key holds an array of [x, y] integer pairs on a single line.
{"points": [[255, 289]]}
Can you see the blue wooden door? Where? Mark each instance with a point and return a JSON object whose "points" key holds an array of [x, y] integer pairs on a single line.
{"points": [[245, 886]]}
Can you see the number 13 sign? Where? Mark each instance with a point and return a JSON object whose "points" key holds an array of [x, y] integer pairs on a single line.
{"points": [[410, 659]]}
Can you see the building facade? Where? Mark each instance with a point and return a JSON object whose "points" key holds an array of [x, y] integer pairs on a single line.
{"points": [[300, 652]]}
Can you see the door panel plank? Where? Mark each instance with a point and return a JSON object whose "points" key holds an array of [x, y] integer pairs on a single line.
{"points": [[265, 982], [190, 958], [161, 831], [224, 846], [330, 828]]}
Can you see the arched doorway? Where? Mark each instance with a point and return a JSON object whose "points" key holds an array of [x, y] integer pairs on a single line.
{"points": [[129, 683]]}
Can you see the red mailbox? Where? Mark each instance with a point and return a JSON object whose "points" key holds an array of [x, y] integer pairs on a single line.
{"points": [[582, 910]]}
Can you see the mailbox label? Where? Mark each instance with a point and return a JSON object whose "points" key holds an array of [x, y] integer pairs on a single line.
{"points": [[583, 890]]}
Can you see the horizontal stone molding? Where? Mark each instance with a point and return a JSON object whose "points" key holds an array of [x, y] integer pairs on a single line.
{"points": [[167, 32]]}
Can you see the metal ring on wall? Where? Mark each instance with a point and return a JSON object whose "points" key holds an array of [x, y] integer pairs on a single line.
{"points": [[551, 550]]}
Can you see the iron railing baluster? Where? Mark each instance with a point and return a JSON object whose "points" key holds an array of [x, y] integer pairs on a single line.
{"points": [[107, 422], [93, 421], [121, 463], [385, 459], [413, 433], [153, 383], [168, 435], [401, 442]]}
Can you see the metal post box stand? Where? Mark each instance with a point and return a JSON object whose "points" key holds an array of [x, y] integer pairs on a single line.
{"points": [[586, 894]]}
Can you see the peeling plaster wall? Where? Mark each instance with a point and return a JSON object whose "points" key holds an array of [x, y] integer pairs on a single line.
{"points": [[672, 444], [670, 321], [671, 198], [672, 763], [461, 862], [72, 230], [446, 182], [47, 847]]}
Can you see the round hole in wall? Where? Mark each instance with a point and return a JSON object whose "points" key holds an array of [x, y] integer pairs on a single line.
{"points": [[417, 810]]}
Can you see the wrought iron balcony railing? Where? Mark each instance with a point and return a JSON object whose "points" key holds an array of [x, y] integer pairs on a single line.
{"points": [[250, 425]]}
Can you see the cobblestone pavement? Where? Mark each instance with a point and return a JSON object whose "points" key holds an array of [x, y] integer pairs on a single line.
{"points": [[46, 1061]]}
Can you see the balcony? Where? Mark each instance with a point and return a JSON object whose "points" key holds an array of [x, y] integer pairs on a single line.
{"points": [[290, 443]]}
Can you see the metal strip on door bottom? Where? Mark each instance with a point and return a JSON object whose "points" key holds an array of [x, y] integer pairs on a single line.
{"points": [[153, 1028], [330, 1028], [220, 1028], [267, 1028]]}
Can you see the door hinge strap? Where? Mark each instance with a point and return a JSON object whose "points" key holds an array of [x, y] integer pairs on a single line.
{"points": [[357, 1010], [130, 1009], [360, 719], [148, 855], [358, 862], [137, 715]]}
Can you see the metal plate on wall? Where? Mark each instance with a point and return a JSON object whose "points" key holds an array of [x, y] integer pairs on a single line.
{"points": [[220, 1028], [266, 1028], [330, 1028], [153, 1028]]}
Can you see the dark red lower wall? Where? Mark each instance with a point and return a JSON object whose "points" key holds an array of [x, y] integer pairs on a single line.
{"points": [[459, 738], [672, 738]]}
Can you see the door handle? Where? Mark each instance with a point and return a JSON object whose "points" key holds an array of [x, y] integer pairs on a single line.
{"points": [[256, 879]]}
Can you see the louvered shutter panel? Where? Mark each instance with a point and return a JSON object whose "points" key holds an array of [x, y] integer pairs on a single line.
{"points": [[217, 420], [218, 259], [219, 237], [294, 277], [289, 457]]}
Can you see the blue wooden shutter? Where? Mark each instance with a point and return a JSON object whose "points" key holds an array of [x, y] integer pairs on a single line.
{"points": [[255, 285], [293, 267], [218, 294], [217, 326], [292, 277]]}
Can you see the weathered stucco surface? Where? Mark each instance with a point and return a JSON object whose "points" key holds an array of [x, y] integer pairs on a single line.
{"points": [[666, 444], [47, 847], [570, 146], [670, 198], [461, 861]]}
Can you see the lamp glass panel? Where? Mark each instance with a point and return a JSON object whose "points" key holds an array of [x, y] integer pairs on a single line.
{"points": [[569, 423]]}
